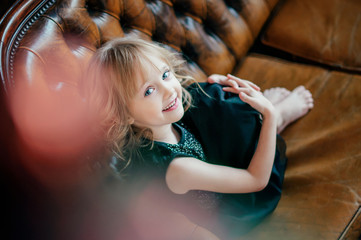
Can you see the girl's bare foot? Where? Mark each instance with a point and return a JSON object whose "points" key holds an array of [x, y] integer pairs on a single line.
{"points": [[293, 107], [276, 95]]}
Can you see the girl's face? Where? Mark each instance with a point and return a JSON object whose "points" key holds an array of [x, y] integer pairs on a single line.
{"points": [[158, 100]]}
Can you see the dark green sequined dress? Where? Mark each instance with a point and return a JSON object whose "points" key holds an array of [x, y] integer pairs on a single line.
{"points": [[221, 129]]}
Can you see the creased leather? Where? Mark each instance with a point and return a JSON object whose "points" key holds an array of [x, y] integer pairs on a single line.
{"points": [[325, 31], [322, 187]]}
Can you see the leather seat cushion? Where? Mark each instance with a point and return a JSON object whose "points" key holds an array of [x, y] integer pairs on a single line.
{"points": [[321, 188]]}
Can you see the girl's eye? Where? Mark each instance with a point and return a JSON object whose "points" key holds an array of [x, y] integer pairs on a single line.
{"points": [[149, 91], [165, 75]]}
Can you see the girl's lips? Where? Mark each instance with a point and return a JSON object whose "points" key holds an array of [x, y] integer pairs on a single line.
{"points": [[173, 105]]}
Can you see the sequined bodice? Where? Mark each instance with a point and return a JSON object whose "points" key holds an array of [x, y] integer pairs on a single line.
{"points": [[188, 146]]}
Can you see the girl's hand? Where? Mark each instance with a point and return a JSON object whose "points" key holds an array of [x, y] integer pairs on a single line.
{"points": [[231, 81], [249, 95]]}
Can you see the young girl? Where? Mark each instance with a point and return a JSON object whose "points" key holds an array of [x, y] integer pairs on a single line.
{"points": [[224, 152]]}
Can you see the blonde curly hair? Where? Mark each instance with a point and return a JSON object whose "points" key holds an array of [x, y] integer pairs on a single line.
{"points": [[110, 85]]}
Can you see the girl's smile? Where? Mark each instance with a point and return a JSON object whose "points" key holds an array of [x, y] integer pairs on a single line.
{"points": [[158, 102], [172, 106]]}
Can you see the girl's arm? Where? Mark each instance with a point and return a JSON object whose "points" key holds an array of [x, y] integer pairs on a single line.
{"points": [[186, 174]]}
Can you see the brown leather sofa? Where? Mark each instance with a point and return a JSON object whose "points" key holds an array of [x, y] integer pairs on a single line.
{"points": [[45, 45]]}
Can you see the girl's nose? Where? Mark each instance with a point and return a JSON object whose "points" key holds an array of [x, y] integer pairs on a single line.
{"points": [[168, 89]]}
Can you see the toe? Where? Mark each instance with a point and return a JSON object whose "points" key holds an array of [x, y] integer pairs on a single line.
{"points": [[300, 88], [285, 91]]}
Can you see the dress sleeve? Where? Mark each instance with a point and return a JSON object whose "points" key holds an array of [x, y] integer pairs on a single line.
{"points": [[227, 128]]}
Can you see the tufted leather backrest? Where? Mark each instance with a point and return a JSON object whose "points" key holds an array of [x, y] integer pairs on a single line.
{"points": [[213, 35], [45, 46]]}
